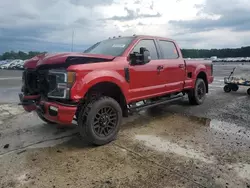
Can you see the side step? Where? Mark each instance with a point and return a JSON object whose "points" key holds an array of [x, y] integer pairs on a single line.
{"points": [[156, 103]]}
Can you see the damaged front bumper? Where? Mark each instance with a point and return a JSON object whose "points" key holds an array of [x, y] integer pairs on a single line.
{"points": [[52, 111]]}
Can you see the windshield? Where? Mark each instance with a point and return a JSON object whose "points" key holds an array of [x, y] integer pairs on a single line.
{"points": [[114, 47]]}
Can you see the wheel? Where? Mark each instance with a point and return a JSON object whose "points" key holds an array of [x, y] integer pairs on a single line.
{"points": [[44, 119], [235, 87], [248, 91], [99, 122], [227, 88], [198, 94]]}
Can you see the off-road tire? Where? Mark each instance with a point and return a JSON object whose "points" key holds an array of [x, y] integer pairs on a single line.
{"points": [[44, 119], [88, 115], [227, 89], [194, 96]]}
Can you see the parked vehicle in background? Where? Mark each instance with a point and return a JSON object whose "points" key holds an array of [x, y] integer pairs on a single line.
{"points": [[13, 64], [6, 65], [3, 62], [20, 65], [106, 82]]}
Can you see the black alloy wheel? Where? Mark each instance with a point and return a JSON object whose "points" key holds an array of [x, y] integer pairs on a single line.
{"points": [[99, 121], [105, 121]]}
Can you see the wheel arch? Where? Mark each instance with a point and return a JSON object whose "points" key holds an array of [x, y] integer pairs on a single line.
{"points": [[110, 89]]}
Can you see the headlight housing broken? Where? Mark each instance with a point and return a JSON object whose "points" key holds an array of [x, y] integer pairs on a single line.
{"points": [[60, 83]]}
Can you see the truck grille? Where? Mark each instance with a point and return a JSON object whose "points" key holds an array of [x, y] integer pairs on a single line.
{"points": [[38, 82]]}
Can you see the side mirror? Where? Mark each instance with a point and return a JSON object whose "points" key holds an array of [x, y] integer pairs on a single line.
{"points": [[140, 58]]}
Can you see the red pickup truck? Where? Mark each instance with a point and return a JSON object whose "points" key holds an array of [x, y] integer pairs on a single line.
{"points": [[105, 83]]}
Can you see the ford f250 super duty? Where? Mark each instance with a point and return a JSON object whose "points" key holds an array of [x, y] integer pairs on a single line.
{"points": [[105, 83]]}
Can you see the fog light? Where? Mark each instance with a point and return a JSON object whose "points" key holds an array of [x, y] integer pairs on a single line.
{"points": [[53, 108]]}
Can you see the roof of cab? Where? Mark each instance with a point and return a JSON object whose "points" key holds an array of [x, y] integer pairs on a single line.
{"points": [[145, 36], [152, 36]]}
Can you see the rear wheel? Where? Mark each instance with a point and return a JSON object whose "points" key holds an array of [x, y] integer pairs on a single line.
{"points": [[227, 88], [235, 87], [248, 91], [44, 119], [99, 122], [198, 94]]}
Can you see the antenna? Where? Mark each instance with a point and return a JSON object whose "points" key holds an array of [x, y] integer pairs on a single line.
{"points": [[72, 42]]}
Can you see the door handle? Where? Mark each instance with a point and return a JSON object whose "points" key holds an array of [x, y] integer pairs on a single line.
{"points": [[181, 66], [160, 67]]}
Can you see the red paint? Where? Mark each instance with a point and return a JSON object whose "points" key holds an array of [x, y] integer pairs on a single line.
{"points": [[29, 108], [65, 113], [31, 97], [145, 80]]}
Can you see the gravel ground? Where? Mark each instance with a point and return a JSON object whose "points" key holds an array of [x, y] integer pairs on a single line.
{"points": [[167, 146]]}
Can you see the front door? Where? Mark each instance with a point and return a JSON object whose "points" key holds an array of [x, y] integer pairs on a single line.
{"points": [[144, 79]]}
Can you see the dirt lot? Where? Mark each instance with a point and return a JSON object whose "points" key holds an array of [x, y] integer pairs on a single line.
{"points": [[167, 146]]}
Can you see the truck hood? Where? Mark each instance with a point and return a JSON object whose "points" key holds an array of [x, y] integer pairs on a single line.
{"points": [[65, 59]]}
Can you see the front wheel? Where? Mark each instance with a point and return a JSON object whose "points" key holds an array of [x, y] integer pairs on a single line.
{"points": [[227, 88], [198, 94], [100, 120]]}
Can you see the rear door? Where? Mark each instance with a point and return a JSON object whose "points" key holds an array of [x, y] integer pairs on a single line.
{"points": [[174, 66], [144, 79]]}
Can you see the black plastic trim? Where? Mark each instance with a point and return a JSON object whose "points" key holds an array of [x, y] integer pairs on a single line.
{"points": [[160, 102], [127, 75], [74, 60]]}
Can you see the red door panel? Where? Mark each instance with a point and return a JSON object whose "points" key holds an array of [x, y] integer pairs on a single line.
{"points": [[145, 80]]}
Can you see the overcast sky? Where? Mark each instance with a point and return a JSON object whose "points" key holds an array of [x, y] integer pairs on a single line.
{"points": [[47, 25]]}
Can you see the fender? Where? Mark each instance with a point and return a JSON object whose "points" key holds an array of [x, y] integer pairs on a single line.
{"points": [[84, 83], [200, 68]]}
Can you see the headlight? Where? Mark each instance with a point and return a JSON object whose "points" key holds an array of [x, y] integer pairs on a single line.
{"points": [[60, 83]]}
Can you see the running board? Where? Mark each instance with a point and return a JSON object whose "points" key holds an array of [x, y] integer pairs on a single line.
{"points": [[152, 104]]}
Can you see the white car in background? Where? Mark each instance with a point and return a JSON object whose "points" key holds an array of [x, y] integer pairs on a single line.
{"points": [[15, 63], [19, 65], [6, 65]]}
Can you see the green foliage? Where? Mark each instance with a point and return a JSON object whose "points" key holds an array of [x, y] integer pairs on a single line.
{"points": [[19, 55], [187, 53], [220, 53]]}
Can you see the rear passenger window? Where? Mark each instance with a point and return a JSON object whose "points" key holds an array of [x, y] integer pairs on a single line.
{"points": [[150, 45], [168, 49]]}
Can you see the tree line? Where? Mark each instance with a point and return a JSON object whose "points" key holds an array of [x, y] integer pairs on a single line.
{"points": [[220, 53], [19, 55], [187, 53]]}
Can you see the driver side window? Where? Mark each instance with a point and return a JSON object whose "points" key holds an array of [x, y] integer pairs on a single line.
{"points": [[150, 45]]}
